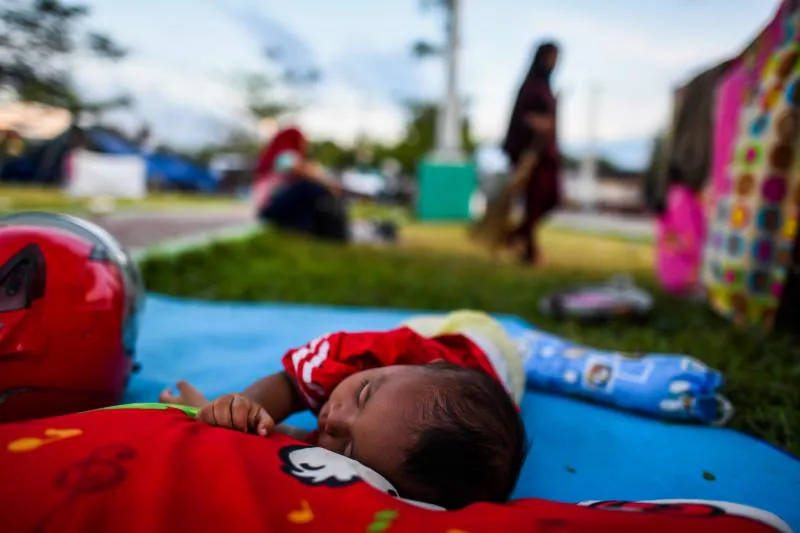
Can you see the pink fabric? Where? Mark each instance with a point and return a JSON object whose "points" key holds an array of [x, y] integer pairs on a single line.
{"points": [[743, 78], [68, 166], [264, 189], [733, 94], [679, 241], [729, 102]]}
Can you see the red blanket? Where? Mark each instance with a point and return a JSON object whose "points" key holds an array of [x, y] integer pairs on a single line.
{"points": [[160, 471]]}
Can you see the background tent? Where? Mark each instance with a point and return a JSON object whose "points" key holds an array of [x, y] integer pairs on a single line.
{"points": [[44, 163]]}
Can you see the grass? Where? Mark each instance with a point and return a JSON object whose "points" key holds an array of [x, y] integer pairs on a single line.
{"points": [[38, 198], [436, 269]]}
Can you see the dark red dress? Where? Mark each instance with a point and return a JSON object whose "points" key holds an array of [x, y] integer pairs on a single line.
{"points": [[543, 189]]}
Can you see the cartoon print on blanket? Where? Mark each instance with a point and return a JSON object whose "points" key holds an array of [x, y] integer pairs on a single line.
{"points": [[691, 508], [133, 470], [320, 467]]}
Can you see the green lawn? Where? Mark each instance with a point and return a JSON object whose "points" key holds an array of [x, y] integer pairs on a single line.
{"points": [[436, 269]]}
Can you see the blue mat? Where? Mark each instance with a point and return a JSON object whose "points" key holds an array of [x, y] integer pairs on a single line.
{"points": [[580, 451]]}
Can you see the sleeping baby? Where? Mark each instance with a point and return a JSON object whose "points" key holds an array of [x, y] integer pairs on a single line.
{"points": [[431, 406]]}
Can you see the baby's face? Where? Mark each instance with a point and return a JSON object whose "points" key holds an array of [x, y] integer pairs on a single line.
{"points": [[370, 415]]}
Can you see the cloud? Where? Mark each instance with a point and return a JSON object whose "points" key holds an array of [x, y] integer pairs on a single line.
{"points": [[173, 123], [622, 42], [188, 109], [632, 57], [185, 89], [635, 53], [270, 34], [388, 75], [345, 113]]}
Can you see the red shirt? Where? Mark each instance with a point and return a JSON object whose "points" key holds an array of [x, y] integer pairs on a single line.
{"points": [[319, 366]]}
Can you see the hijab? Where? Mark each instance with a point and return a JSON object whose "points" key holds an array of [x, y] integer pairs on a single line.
{"points": [[287, 140], [540, 71]]}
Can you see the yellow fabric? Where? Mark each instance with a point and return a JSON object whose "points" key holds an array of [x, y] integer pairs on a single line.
{"points": [[477, 325]]}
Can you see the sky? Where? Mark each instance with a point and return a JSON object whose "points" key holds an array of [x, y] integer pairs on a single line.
{"points": [[186, 56]]}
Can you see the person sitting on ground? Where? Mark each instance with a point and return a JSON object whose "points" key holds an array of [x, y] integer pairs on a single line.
{"points": [[427, 405], [297, 194]]}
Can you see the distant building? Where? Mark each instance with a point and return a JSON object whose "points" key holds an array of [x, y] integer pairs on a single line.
{"points": [[613, 192]]}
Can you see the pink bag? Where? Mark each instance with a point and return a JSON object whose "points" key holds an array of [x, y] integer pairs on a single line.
{"points": [[679, 241]]}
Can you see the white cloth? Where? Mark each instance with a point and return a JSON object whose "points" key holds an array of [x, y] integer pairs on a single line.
{"points": [[118, 176]]}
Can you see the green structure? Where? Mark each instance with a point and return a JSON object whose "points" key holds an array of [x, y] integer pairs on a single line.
{"points": [[445, 189], [447, 179]]}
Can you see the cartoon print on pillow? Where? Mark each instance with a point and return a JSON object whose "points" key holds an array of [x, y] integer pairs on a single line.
{"points": [[320, 467], [665, 385], [600, 374]]}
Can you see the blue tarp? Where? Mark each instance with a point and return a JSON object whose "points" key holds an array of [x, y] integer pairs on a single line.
{"points": [[580, 451], [177, 171]]}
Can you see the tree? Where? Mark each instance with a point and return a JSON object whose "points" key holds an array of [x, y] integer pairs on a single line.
{"points": [[425, 49], [261, 90], [422, 48], [332, 155], [258, 90], [38, 41], [420, 135]]}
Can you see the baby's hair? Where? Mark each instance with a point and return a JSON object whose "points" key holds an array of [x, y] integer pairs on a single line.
{"points": [[471, 442]]}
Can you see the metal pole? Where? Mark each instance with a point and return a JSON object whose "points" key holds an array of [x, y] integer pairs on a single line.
{"points": [[589, 166], [449, 124]]}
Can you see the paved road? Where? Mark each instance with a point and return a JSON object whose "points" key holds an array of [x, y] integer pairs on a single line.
{"points": [[139, 230]]}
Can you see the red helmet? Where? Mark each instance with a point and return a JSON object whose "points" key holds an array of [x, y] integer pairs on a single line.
{"points": [[70, 298]]}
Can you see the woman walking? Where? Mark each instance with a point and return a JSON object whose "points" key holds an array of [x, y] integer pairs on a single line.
{"points": [[531, 145]]}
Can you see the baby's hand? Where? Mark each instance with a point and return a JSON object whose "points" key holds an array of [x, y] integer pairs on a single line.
{"points": [[235, 411]]}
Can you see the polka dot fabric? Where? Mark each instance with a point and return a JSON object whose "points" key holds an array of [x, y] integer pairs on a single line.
{"points": [[752, 232]]}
